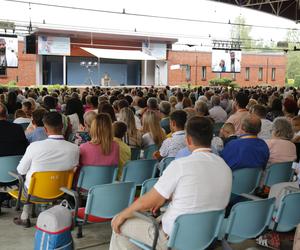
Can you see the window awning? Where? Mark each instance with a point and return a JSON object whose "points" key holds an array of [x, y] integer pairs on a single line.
{"points": [[119, 54]]}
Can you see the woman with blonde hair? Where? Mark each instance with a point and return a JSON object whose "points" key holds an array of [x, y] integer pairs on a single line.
{"points": [[133, 136], [101, 150], [153, 133]]}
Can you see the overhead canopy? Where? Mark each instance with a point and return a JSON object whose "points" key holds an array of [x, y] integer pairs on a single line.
{"points": [[119, 54], [283, 8]]}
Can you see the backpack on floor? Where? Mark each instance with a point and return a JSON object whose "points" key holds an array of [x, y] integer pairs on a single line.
{"points": [[53, 229]]}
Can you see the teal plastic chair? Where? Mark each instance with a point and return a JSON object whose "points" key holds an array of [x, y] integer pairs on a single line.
{"points": [[138, 171], [103, 203], [164, 163], [287, 217], [245, 180], [8, 164], [135, 153], [148, 185], [191, 231], [217, 127], [148, 152], [96, 175], [278, 172], [247, 220]]}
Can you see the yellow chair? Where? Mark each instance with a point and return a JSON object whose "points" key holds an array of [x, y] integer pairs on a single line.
{"points": [[44, 187]]}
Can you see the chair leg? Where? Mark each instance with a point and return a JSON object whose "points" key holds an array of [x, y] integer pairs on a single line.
{"points": [[79, 231]]}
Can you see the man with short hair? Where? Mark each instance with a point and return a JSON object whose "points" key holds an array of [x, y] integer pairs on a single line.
{"points": [[266, 125], [248, 151], [165, 108], [202, 171], [240, 103], [52, 154], [172, 145], [12, 137], [217, 112]]}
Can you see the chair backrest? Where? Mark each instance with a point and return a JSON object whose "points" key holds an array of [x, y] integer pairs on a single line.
{"points": [[7, 164], [96, 175], [217, 128], [245, 180], [46, 185], [138, 171], [249, 219], [288, 216], [195, 231], [148, 151], [278, 172], [109, 199], [135, 153], [147, 185], [164, 163]]}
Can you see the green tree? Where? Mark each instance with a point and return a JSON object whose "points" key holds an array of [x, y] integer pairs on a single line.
{"points": [[293, 57], [240, 31]]}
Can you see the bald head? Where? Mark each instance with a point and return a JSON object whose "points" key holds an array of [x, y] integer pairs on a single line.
{"points": [[251, 124], [3, 112]]}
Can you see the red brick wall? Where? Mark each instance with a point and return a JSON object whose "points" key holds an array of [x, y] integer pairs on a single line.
{"points": [[254, 61], [25, 74]]}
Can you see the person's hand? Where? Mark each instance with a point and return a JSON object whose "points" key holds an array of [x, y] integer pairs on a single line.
{"points": [[117, 222], [156, 155]]}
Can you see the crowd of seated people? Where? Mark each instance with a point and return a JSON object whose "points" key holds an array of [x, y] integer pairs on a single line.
{"points": [[210, 131]]}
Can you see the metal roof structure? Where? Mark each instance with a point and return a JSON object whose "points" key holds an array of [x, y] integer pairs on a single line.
{"points": [[289, 9]]}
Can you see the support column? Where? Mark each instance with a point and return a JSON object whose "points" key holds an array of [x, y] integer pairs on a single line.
{"points": [[64, 70]]}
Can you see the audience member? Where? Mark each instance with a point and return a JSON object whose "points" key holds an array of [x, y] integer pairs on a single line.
{"points": [[20, 117], [165, 110], [227, 133], [202, 171], [12, 137], [217, 112], [120, 130], [266, 125], [247, 151], [38, 133], [52, 154]]}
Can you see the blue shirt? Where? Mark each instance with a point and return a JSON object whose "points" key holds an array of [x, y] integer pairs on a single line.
{"points": [[246, 152], [186, 152], [38, 134]]}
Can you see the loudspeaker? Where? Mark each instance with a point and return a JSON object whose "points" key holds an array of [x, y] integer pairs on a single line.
{"points": [[30, 44]]}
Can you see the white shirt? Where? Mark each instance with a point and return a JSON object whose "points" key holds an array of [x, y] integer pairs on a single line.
{"points": [[21, 120], [74, 120], [52, 154], [218, 114], [171, 146], [196, 183], [266, 129]]}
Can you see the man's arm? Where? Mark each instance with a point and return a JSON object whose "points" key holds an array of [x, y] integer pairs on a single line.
{"points": [[150, 201], [25, 162]]}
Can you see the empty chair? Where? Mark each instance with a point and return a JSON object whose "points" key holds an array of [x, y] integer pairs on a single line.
{"points": [[191, 231], [149, 151], [96, 175], [287, 216], [103, 203], [147, 185], [278, 172], [164, 163], [138, 171], [245, 180], [135, 153], [248, 220], [8, 164]]}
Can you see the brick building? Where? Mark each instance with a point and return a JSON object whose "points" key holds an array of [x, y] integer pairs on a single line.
{"points": [[256, 68]]}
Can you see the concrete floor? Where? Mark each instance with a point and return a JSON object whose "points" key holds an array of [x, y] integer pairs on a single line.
{"points": [[96, 236]]}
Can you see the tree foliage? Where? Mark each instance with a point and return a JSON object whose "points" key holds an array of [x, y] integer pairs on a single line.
{"points": [[240, 31], [293, 57]]}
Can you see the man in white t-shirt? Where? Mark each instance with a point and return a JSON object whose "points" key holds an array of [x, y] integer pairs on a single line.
{"points": [[52, 154], [197, 183]]}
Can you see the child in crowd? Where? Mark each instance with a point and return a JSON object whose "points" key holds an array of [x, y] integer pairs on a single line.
{"points": [[38, 133], [120, 129]]}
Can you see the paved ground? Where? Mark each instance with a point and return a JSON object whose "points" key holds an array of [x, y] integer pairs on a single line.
{"points": [[96, 236]]}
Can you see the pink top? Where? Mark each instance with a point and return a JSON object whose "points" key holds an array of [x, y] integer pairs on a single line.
{"points": [[236, 120], [91, 155], [281, 151]]}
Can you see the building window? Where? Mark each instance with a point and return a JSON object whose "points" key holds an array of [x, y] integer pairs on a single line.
{"points": [[203, 76], [273, 74], [260, 73], [247, 76]]}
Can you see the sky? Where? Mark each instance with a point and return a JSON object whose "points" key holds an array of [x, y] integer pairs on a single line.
{"points": [[186, 31]]}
